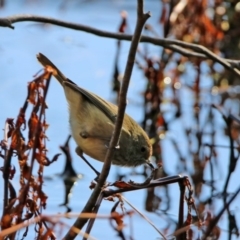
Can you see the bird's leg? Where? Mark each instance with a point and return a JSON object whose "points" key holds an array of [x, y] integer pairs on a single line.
{"points": [[80, 154], [151, 166]]}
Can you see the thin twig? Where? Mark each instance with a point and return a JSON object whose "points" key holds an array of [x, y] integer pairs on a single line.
{"points": [[214, 222], [55, 218], [143, 216], [7, 163], [154, 183], [175, 45], [95, 211]]}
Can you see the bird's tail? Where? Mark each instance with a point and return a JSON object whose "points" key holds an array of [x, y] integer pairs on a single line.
{"points": [[56, 72]]}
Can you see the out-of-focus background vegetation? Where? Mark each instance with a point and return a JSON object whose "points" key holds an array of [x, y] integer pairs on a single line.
{"points": [[188, 106]]}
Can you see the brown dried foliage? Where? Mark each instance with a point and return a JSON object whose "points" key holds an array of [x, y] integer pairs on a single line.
{"points": [[30, 150]]}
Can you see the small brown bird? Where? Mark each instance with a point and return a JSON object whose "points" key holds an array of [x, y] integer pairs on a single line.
{"points": [[92, 122]]}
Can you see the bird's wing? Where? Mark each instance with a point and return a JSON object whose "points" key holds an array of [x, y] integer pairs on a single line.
{"points": [[109, 109]]}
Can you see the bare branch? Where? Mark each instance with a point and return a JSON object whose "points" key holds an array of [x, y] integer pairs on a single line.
{"points": [[175, 45], [141, 19], [143, 216], [215, 220]]}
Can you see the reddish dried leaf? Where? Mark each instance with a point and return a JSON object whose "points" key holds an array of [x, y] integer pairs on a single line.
{"points": [[40, 157], [121, 184], [10, 126], [235, 130], [15, 139], [6, 221], [12, 172], [40, 179], [33, 124], [43, 197], [123, 24], [32, 91], [160, 121], [21, 119], [28, 216], [26, 171], [164, 17], [30, 143], [32, 205], [211, 29], [188, 221], [118, 219]]}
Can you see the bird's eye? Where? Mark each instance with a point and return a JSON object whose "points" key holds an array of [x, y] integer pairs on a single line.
{"points": [[83, 134], [143, 149]]}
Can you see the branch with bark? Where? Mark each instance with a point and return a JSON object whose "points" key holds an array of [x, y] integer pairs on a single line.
{"points": [[184, 48], [90, 205]]}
